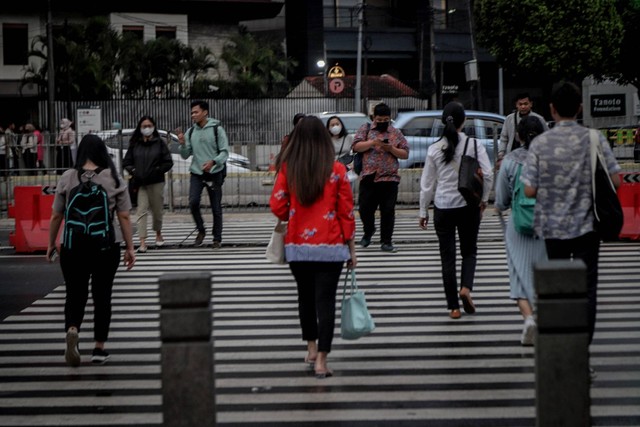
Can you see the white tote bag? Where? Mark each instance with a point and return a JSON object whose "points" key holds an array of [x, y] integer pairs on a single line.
{"points": [[275, 248]]}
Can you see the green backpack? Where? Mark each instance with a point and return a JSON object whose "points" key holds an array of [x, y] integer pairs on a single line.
{"points": [[522, 207]]}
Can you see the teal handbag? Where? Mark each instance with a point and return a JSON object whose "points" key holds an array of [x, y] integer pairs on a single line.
{"points": [[355, 320]]}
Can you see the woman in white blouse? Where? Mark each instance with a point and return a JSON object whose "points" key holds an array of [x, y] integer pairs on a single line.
{"points": [[439, 183]]}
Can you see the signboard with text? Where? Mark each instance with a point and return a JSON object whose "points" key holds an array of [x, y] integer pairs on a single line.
{"points": [[89, 120], [608, 105]]}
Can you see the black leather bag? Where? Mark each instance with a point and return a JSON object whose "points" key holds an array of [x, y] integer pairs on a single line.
{"points": [[470, 178], [607, 209], [357, 163]]}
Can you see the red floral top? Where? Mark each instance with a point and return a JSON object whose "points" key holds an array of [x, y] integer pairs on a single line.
{"points": [[318, 232]]}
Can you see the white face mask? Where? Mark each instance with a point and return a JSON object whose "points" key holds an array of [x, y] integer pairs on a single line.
{"points": [[335, 130], [147, 131]]}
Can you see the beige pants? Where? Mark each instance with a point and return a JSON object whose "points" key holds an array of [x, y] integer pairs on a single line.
{"points": [[150, 196]]}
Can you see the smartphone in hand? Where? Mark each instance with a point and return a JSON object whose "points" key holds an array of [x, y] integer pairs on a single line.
{"points": [[53, 255]]}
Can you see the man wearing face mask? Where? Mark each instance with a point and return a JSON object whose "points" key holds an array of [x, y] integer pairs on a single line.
{"points": [[147, 160], [382, 145]]}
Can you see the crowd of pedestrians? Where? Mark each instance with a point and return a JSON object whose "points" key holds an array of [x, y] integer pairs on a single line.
{"points": [[313, 194]]}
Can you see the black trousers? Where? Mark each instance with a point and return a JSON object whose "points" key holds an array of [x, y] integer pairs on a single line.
{"points": [[586, 248], [63, 158], [466, 221], [78, 268], [317, 284], [372, 195]]}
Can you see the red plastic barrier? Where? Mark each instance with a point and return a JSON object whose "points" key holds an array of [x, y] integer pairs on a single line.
{"points": [[629, 195], [32, 212]]}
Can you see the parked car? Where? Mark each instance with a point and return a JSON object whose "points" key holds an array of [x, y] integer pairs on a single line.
{"points": [[423, 128], [235, 162], [352, 120]]}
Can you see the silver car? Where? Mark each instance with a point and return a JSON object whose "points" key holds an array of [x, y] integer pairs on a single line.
{"points": [[423, 128], [235, 162]]}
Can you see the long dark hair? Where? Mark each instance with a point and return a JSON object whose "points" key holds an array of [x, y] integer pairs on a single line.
{"points": [[528, 128], [137, 132], [92, 148], [453, 117], [309, 157]]}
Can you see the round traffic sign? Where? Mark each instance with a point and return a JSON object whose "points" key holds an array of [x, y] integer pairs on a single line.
{"points": [[336, 85]]}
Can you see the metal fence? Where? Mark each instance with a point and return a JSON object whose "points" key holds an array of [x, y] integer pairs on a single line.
{"points": [[255, 129]]}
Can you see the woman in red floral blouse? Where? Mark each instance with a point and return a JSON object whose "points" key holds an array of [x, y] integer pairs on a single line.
{"points": [[312, 192]]}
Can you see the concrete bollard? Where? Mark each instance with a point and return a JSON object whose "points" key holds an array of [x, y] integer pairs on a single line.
{"points": [[188, 397], [562, 345]]}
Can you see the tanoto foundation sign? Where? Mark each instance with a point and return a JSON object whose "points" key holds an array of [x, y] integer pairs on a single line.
{"points": [[608, 105]]}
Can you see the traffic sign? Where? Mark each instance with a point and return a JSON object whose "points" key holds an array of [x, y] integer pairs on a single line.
{"points": [[336, 85]]}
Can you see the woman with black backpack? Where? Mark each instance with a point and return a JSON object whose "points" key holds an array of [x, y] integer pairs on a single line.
{"points": [[87, 198]]}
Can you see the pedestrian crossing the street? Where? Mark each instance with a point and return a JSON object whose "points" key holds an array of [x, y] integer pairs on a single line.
{"points": [[419, 367]]}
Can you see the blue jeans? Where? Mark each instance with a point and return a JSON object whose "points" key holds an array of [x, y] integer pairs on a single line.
{"points": [[466, 221], [214, 189]]}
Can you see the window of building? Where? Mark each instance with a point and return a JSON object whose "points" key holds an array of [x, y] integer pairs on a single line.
{"points": [[15, 44], [166, 32], [136, 31]]}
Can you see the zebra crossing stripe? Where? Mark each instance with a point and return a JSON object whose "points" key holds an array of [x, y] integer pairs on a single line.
{"points": [[418, 368]]}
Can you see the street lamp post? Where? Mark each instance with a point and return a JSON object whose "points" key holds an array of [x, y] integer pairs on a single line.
{"points": [[322, 64]]}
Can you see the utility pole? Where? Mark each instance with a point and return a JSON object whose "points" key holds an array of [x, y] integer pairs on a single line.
{"points": [[432, 56], [474, 52], [50, 75], [358, 88]]}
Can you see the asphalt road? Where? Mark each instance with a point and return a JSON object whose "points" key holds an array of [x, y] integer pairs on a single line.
{"points": [[23, 278]]}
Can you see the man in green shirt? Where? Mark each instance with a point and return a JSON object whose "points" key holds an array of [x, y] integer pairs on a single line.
{"points": [[207, 142]]}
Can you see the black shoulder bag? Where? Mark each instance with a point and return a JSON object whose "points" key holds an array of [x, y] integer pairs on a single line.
{"points": [[470, 178]]}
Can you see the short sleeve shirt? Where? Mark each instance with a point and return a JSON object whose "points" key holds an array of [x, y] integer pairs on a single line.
{"points": [[558, 165]]}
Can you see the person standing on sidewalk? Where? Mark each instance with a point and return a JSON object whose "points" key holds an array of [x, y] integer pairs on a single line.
{"points": [[381, 146], [91, 264], [207, 142], [523, 250], [147, 160], [557, 172], [64, 143], [439, 183], [313, 194]]}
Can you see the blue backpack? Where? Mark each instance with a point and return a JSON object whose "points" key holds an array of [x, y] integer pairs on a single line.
{"points": [[87, 219], [522, 207]]}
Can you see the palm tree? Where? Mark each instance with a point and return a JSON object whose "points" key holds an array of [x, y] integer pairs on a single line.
{"points": [[257, 67]]}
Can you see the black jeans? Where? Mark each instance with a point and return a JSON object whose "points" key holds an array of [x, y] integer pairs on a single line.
{"points": [[317, 284], [214, 189], [466, 221], [78, 268], [372, 195], [586, 248]]}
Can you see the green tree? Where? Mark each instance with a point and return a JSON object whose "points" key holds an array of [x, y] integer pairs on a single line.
{"points": [[568, 39], [84, 63], [258, 67], [625, 70]]}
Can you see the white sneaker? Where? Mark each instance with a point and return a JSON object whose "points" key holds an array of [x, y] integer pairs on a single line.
{"points": [[528, 332]]}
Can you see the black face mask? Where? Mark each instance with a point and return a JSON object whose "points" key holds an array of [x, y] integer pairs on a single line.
{"points": [[382, 126]]}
